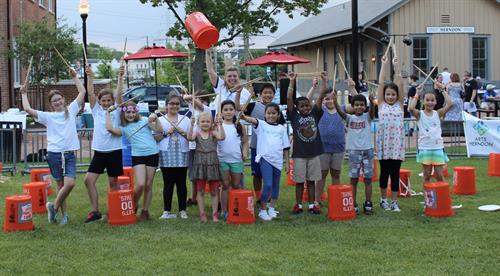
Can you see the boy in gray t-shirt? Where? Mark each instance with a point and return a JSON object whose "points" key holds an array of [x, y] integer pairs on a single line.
{"points": [[359, 145]]}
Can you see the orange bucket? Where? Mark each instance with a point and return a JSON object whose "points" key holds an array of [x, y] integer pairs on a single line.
{"points": [[129, 171], [437, 200], [494, 164], [42, 175], [123, 183], [289, 177], [18, 214], [464, 180], [305, 194], [375, 172], [203, 33], [241, 207], [38, 193], [404, 183], [341, 203], [121, 207]]}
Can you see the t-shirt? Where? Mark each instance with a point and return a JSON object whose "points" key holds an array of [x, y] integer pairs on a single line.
{"points": [[61, 131], [273, 139], [222, 91], [143, 143], [359, 135], [306, 138], [256, 110], [429, 131], [446, 77], [229, 149], [103, 140], [439, 99], [470, 85], [332, 131], [184, 125], [488, 93]]}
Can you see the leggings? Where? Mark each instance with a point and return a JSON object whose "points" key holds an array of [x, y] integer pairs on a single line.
{"points": [[390, 167], [271, 181], [171, 177]]}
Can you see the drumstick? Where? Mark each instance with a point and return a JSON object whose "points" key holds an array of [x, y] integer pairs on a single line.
{"points": [[428, 76], [28, 71], [206, 95], [334, 79], [317, 60], [388, 46], [343, 65], [372, 83], [245, 84], [310, 73], [124, 50], [421, 71], [58, 53], [120, 105]]}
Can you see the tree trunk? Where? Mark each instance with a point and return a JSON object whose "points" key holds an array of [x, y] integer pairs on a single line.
{"points": [[198, 68]]}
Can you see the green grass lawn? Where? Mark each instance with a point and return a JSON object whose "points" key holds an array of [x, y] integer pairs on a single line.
{"points": [[388, 243]]}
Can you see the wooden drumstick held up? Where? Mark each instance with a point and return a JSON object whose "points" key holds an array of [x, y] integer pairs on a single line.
{"points": [[343, 65], [62, 58]]}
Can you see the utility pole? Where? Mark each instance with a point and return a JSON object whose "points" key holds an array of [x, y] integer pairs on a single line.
{"points": [[355, 44]]}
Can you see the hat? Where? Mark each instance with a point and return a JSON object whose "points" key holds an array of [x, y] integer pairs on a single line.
{"points": [[490, 87]]}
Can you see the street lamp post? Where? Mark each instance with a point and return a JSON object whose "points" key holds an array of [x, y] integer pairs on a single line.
{"points": [[83, 8]]}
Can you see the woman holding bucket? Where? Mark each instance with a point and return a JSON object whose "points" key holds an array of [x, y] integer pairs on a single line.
{"points": [[62, 141]]}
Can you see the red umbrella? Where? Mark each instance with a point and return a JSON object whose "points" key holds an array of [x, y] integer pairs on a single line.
{"points": [[154, 53]]}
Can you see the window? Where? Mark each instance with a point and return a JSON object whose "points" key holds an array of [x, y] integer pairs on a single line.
{"points": [[50, 5], [16, 66], [41, 3], [420, 53], [480, 57]]}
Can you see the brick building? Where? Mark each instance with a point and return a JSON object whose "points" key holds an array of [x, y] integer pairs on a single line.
{"points": [[12, 13]]}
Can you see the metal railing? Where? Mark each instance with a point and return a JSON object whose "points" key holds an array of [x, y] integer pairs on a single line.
{"points": [[10, 139]]}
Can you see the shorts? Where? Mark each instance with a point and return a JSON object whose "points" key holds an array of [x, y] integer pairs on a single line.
{"points": [[201, 184], [111, 161], [236, 167], [306, 169], [331, 161], [148, 160], [254, 165], [361, 159], [432, 157], [56, 167]]}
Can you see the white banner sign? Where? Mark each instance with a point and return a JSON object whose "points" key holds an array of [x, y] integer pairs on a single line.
{"points": [[481, 136], [450, 30]]}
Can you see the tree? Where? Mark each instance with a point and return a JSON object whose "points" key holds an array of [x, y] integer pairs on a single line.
{"points": [[37, 40], [235, 17]]}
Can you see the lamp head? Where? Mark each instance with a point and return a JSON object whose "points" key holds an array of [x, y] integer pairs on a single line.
{"points": [[84, 8]]}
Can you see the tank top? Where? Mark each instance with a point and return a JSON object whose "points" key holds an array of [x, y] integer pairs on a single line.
{"points": [[429, 131]]}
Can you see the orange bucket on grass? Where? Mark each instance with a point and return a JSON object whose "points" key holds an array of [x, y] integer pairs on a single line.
{"points": [[42, 175], [241, 207], [203, 33], [494, 164], [129, 171], [404, 183], [121, 207], [464, 180], [18, 214], [341, 203], [38, 193], [437, 200], [289, 177], [375, 172], [123, 183]]}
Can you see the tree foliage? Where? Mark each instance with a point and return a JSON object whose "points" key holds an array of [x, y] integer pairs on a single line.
{"points": [[37, 40]]}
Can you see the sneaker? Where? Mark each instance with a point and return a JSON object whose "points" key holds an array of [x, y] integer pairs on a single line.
{"points": [[356, 208], [368, 208], [297, 209], [395, 206], [315, 209], [272, 212], [263, 215], [384, 204], [64, 220], [51, 212], [183, 214], [168, 215], [93, 216]]}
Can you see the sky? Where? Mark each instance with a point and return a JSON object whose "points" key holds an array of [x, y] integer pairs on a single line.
{"points": [[110, 21]]}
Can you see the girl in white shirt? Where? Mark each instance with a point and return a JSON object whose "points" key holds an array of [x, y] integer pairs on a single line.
{"points": [[430, 143], [232, 151], [62, 142], [272, 147]]}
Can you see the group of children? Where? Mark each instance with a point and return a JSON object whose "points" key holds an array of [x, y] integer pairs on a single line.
{"points": [[211, 151]]}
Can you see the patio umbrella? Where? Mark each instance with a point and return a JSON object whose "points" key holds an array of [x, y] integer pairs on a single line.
{"points": [[154, 53]]}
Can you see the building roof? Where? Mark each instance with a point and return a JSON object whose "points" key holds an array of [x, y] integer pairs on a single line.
{"points": [[336, 21]]}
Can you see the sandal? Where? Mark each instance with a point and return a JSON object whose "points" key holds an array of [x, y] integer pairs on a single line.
{"points": [[215, 217], [203, 217]]}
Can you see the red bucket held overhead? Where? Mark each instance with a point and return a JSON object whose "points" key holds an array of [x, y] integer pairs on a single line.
{"points": [[241, 207], [121, 207], [203, 33], [341, 203], [42, 175], [38, 193], [494, 164], [464, 180], [18, 214], [437, 200]]}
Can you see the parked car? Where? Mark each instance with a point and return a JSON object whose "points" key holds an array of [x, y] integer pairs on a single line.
{"points": [[147, 94]]}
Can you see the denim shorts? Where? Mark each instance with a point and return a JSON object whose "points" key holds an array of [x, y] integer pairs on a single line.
{"points": [[56, 167]]}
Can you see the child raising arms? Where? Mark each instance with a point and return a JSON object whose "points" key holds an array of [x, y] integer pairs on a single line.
{"points": [[206, 167], [430, 143]]}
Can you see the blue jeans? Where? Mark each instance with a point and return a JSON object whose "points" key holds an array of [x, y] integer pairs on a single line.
{"points": [[271, 181], [56, 167]]}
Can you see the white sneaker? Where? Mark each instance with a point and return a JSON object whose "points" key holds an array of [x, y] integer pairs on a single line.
{"points": [[183, 215], [272, 212], [168, 215], [395, 206], [264, 216], [384, 204]]}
